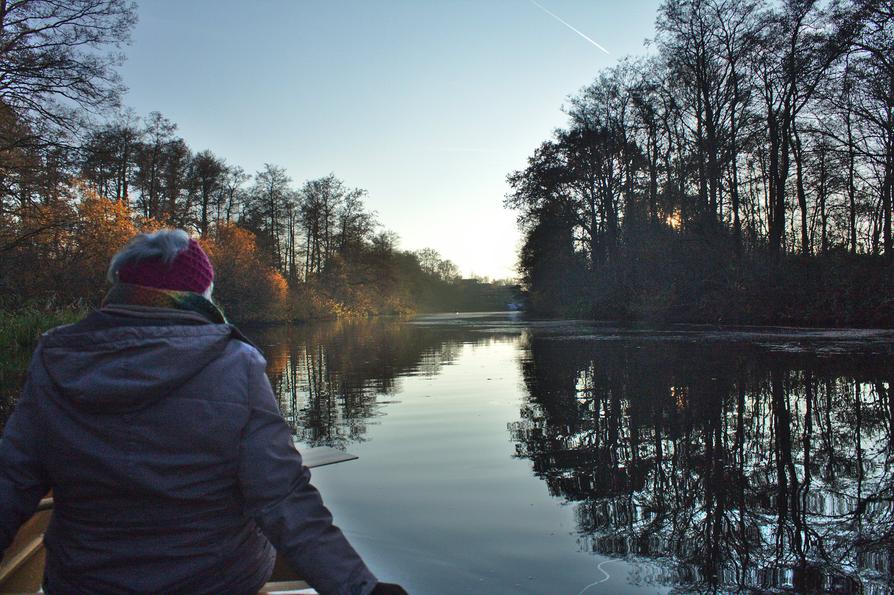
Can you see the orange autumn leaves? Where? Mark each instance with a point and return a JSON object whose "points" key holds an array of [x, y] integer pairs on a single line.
{"points": [[58, 253], [244, 285]]}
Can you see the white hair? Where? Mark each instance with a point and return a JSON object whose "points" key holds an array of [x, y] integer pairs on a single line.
{"points": [[164, 244]]}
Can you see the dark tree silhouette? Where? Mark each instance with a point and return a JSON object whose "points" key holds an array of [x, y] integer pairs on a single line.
{"points": [[721, 178], [54, 63]]}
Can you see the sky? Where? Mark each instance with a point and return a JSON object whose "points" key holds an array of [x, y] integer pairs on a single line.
{"points": [[426, 104]]}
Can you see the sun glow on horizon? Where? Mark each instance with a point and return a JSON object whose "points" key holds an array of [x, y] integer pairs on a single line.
{"points": [[674, 221]]}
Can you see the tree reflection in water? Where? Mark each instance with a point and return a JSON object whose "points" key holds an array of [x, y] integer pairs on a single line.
{"points": [[331, 377], [730, 468]]}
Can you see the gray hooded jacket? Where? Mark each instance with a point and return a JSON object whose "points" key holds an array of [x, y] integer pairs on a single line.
{"points": [[171, 467]]}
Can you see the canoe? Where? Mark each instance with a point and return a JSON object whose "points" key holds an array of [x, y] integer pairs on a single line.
{"points": [[21, 569]]}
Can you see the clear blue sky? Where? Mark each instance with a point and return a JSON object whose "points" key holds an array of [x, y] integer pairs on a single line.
{"points": [[427, 104]]}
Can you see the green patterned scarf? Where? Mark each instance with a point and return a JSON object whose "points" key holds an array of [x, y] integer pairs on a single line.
{"points": [[125, 294]]}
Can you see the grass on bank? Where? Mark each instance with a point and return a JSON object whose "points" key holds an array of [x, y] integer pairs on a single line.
{"points": [[20, 329]]}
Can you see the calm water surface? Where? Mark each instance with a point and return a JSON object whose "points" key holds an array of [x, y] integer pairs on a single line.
{"points": [[505, 456]]}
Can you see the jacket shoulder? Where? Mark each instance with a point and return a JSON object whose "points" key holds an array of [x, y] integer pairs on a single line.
{"points": [[61, 329], [244, 351]]}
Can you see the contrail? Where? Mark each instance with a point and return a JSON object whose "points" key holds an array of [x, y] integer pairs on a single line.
{"points": [[558, 18]]}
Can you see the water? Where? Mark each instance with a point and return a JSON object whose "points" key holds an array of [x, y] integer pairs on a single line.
{"points": [[505, 456]]}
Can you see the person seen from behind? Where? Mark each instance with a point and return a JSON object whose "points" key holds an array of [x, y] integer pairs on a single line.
{"points": [[172, 470]]}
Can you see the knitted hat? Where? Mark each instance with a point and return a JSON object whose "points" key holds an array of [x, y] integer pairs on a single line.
{"points": [[189, 271]]}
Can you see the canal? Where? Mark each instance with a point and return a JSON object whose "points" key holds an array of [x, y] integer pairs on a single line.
{"points": [[501, 455]]}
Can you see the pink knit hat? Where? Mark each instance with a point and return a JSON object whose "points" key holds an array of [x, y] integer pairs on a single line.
{"points": [[189, 271]]}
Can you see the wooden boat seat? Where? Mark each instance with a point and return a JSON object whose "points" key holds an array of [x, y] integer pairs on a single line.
{"points": [[21, 570]]}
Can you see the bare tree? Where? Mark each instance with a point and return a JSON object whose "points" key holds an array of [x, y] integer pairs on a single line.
{"points": [[267, 203], [54, 63], [158, 133], [206, 177]]}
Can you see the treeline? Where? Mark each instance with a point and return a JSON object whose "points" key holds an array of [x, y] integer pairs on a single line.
{"points": [[145, 165], [742, 172], [79, 175]]}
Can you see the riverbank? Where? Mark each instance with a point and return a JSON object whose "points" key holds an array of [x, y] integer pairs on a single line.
{"points": [[20, 330], [676, 279]]}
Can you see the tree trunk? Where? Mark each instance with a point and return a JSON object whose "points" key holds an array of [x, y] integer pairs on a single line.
{"points": [[802, 196], [653, 176], [888, 183], [851, 187], [776, 212], [824, 217]]}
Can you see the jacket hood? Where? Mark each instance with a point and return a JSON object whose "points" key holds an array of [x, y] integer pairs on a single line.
{"points": [[128, 368]]}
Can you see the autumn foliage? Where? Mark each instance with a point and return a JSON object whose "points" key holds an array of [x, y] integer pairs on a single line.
{"points": [[247, 288], [57, 254]]}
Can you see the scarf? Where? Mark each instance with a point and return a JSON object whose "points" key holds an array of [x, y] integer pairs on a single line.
{"points": [[125, 294]]}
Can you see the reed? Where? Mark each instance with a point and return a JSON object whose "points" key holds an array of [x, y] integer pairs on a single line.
{"points": [[20, 329]]}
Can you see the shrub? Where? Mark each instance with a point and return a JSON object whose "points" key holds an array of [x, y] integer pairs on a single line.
{"points": [[247, 288]]}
